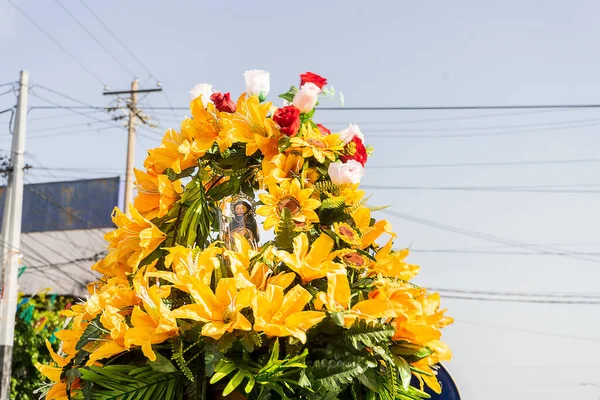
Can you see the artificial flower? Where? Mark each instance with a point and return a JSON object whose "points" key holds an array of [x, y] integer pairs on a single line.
{"points": [[312, 143], [310, 77], [288, 120], [174, 153], [153, 324], [288, 194], [313, 264], [355, 150], [282, 167], [352, 131], [223, 102], [306, 97], [250, 125], [257, 83], [156, 194], [324, 131], [185, 262], [203, 91], [349, 172], [346, 233], [279, 315], [391, 264], [135, 237], [219, 310]]}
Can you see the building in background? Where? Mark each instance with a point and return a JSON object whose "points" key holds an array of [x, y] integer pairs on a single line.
{"points": [[62, 233]]}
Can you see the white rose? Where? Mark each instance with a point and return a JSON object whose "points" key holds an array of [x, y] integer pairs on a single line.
{"points": [[202, 89], [306, 98], [349, 172], [348, 134], [257, 83]]}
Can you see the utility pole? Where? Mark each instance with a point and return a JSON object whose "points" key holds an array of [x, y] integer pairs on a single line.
{"points": [[11, 238], [133, 115]]}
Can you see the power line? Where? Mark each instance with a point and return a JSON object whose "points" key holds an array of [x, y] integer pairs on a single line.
{"points": [[498, 127], [512, 300], [82, 26], [64, 115], [116, 37], [595, 296], [57, 43], [487, 164], [500, 252], [374, 134], [530, 331], [78, 132], [487, 237], [53, 128], [66, 96], [570, 189], [438, 108]]}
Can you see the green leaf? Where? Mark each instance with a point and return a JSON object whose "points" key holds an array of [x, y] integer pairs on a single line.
{"points": [[286, 231], [338, 318], [234, 383], [368, 334], [94, 330], [118, 382], [162, 364], [289, 95], [405, 373]]}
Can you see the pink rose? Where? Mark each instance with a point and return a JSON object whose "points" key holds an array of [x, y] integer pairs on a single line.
{"points": [[306, 98], [349, 172], [350, 132]]}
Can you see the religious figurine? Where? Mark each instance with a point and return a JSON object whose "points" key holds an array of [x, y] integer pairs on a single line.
{"points": [[241, 220]]}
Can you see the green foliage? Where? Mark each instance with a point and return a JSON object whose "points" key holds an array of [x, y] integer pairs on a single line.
{"points": [[129, 382], [285, 231], [289, 95], [37, 320], [195, 224], [278, 375], [94, 330], [368, 334], [328, 375]]}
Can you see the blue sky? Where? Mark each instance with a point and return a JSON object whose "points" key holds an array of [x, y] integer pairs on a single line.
{"points": [[385, 53]]}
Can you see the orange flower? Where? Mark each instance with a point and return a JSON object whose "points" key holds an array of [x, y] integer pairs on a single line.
{"points": [[134, 239], [156, 194], [277, 314]]}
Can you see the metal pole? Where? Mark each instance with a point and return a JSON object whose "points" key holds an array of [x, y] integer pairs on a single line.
{"points": [[130, 147], [11, 238]]}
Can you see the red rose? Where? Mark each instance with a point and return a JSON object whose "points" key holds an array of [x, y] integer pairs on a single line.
{"points": [[223, 102], [324, 131], [312, 78], [288, 119], [355, 150]]}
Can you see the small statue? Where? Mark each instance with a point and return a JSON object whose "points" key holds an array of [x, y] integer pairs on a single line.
{"points": [[242, 221]]}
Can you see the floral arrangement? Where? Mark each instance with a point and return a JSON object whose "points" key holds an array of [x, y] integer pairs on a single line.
{"points": [[321, 311]]}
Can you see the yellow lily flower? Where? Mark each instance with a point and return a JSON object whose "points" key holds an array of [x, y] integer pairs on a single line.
{"points": [[362, 220], [152, 326], [391, 264], [174, 152], [281, 167], [312, 143], [337, 299], [250, 125], [113, 321], [220, 310], [156, 194], [288, 194], [311, 264], [185, 262], [135, 237], [280, 315]]}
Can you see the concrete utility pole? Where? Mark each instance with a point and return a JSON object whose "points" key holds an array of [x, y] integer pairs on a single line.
{"points": [[133, 115], [11, 238]]}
